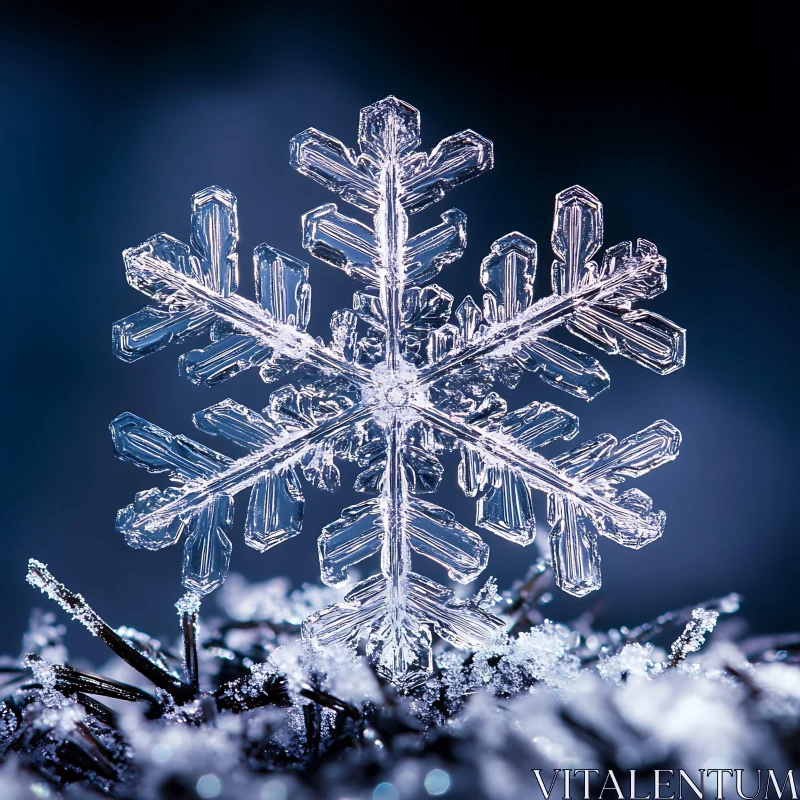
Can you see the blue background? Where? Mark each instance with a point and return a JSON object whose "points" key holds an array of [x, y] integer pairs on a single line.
{"points": [[109, 125]]}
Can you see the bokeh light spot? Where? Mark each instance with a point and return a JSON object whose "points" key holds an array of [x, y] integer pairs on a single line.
{"points": [[385, 791], [208, 786], [274, 790], [437, 782]]}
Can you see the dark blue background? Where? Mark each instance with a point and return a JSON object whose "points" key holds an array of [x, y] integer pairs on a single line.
{"points": [[109, 125]]}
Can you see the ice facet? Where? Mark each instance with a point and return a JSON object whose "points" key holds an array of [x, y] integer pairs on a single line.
{"points": [[428, 252], [155, 535], [538, 424], [631, 458], [460, 622], [400, 648], [388, 129], [282, 286], [237, 423], [401, 381], [275, 513], [644, 337], [347, 621], [151, 329], [146, 445], [330, 163], [646, 267], [207, 548], [319, 469], [577, 234], [471, 472], [423, 471], [507, 507], [564, 367], [341, 242], [573, 540], [343, 333], [426, 309], [507, 275], [356, 535], [434, 532], [455, 160], [469, 319], [215, 232], [222, 360]]}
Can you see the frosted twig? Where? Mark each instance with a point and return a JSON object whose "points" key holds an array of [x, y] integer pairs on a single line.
{"points": [[525, 596], [188, 607], [40, 577], [702, 622], [68, 680], [728, 604]]}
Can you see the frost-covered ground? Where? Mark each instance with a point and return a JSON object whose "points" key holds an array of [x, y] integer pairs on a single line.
{"points": [[265, 715]]}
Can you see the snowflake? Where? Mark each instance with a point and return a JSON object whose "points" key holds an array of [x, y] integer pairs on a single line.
{"points": [[397, 385]]}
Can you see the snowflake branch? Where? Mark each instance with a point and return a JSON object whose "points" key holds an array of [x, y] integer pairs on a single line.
{"points": [[505, 338], [157, 278], [244, 472], [535, 469]]}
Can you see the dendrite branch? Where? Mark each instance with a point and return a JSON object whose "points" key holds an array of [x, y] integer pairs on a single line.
{"points": [[247, 317], [535, 469], [550, 312], [244, 472]]}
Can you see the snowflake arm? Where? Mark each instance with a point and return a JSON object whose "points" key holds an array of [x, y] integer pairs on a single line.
{"points": [[591, 301], [582, 502], [201, 506], [395, 609], [194, 292]]}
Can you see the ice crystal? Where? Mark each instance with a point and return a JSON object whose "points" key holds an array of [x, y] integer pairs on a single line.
{"points": [[694, 634], [401, 380], [634, 660]]}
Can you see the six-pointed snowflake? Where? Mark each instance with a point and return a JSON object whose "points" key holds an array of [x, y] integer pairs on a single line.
{"points": [[397, 384]]}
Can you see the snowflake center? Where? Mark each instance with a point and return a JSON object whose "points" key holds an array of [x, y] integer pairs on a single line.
{"points": [[397, 396], [392, 389]]}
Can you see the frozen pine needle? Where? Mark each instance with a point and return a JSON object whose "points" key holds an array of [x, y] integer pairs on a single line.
{"points": [[272, 716], [74, 604]]}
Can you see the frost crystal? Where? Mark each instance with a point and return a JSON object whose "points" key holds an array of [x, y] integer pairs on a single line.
{"points": [[400, 381], [264, 714], [702, 622]]}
